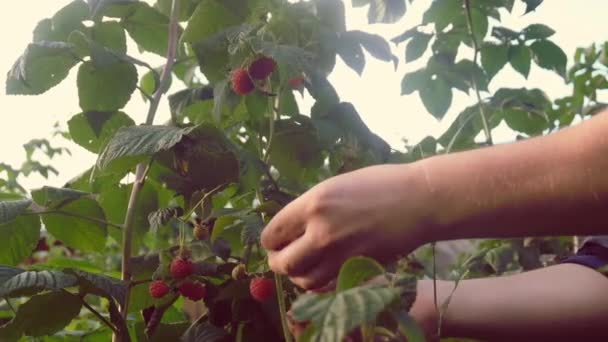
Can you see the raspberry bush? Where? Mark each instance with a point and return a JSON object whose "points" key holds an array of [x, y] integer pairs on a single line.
{"points": [[159, 240]]}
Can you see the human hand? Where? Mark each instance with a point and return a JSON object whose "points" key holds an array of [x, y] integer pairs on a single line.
{"points": [[379, 211]]}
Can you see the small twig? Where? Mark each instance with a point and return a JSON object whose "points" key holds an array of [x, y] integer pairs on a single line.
{"points": [[271, 129], [142, 169], [10, 305], [196, 322], [139, 282], [200, 202], [143, 92], [278, 280], [165, 76], [484, 120], [98, 315]]}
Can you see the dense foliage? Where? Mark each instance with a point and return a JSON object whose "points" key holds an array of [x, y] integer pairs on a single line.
{"points": [[171, 214]]}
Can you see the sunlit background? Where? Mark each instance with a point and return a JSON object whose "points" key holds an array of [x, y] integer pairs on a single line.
{"points": [[376, 94]]}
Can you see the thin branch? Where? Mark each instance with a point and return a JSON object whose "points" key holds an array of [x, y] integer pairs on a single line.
{"points": [[142, 168], [139, 282], [196, 321], [205, 196], [10, 305], [143, 92], [278, 279], [171, 53], [271, 128], [484, 121], [88, 218], [98, 315]]}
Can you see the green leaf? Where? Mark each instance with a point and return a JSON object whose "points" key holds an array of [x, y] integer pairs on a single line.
{"points": [[42, 66], [385, 11], [7, 272], [56, 197], [349, 49], [444, 13], [93, 130], [150, 82], [408, 34], [287, 103], [537, 31], [436, 96], [374, 44], [408, 327], [524, 121], [356, 271], [531, 5], [548, 55], [417, 46], [110, 35], [186, 8], [9, 210], [252, 229], [29, 282], [480, 24], [470, 72], [149, 28], [75, 231], [504, 34], [494, 57], [331, 14], [34, 319], [18, 233], [335, 315], [130, 144], [115, 201], [414, 81], [105, 89], [519, 57], [186, 167], [101, 285], [66, 20], [209, 18], [295, 149], [224, 100], [107, 7]]}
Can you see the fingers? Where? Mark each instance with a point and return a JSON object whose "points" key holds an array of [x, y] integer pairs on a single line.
{"points": [[319, 276], [286, 226], [296, 258]]}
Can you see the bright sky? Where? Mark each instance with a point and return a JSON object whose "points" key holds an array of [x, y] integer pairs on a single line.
{"points": [[376, 94]]}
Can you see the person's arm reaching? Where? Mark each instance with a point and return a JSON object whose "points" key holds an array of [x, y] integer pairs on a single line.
{"points": [[551, 185], [566, 302]]}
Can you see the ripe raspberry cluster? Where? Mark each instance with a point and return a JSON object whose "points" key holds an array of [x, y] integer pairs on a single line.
{"points": [[243, 78], [181, 269]]}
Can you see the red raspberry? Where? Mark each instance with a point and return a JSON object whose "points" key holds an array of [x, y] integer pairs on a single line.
{"points": [[261, 289], [193, 291], [181, 268], [261, 68], [158, 289], [296, 82], [241, 82]]}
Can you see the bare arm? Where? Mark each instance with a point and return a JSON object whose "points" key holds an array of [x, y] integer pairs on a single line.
{"points": [[566, 302], [551, 185]]}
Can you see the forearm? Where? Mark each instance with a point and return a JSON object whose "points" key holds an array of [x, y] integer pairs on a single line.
{"points": [[551, 185], [564, 302]]}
